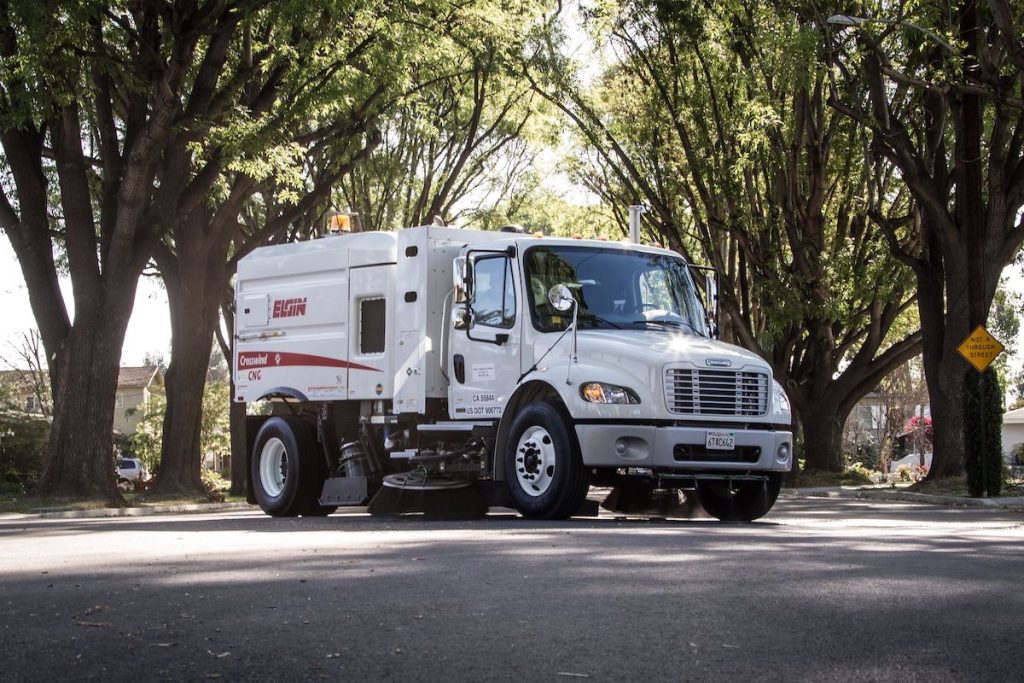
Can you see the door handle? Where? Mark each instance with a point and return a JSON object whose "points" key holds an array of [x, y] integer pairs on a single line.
{"points": [[459, 365]]}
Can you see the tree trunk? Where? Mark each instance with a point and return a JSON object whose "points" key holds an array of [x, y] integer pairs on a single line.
{"points": [[29, 235], [81, 447], [239, 475], [822, 424], [944, 324], [944, 390], [194, 281]]}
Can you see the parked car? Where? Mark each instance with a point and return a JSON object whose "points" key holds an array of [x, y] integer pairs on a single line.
{"points": [[131, 469]]}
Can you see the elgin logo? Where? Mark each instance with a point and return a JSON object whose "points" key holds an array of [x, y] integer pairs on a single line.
{"points": [[289, 308]]}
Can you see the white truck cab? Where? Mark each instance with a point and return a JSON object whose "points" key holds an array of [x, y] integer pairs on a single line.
{"points": [[529, 367]]}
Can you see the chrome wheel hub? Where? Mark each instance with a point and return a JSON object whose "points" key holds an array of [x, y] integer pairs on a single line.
{"points": [[535, 461], [273, 467]]}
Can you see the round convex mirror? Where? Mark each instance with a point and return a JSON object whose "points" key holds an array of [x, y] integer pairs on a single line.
{"points": [[561, 298]]}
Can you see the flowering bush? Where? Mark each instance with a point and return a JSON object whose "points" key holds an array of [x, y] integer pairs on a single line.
{"points": [[921, 426], [908, 473]]}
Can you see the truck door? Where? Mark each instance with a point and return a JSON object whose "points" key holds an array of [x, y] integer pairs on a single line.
{"points": [[484, 363]]}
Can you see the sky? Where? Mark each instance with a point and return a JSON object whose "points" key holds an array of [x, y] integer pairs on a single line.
{"points": [[149, 331]]}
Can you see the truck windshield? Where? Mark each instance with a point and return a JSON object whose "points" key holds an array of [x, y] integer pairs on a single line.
{"points": [[615, 289]]}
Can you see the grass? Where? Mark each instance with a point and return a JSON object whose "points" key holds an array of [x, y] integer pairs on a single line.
{"points": [[850, 477], [957, 486], [950, 486], [30, 504], [14, 499]]}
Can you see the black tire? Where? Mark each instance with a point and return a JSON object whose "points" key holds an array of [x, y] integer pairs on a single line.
{"points": [[544, 472], [741, 501], [285, 467]]}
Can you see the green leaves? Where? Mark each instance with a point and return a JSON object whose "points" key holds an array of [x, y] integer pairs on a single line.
{"points": [[715, 115], [40, 60], [454, 144]]}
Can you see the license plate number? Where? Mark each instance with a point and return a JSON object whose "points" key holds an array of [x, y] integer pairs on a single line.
{"points": [[721, 441]]}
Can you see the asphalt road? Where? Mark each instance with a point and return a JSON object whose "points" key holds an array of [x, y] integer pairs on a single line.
{"points": [[818, 590]]}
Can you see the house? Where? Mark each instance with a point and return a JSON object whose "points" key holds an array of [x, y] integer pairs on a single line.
{"points": [[135, 388], [878, 414], [1013, 432], [27, 391]]}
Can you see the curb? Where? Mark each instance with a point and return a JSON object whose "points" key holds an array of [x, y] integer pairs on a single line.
{"points": [[1009, 503], [98, 513]]}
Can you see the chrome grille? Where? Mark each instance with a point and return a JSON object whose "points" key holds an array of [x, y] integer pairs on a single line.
{"points": [[716, 392]]}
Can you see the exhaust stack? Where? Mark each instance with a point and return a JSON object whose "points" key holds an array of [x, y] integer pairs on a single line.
{"points": [[635, 211]]}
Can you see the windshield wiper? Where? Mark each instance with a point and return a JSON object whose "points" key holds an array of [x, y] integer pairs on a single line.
{"points": [[667, 323], [592, 317]]}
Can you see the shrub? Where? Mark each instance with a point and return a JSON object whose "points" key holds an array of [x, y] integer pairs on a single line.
{"points": [[23, 439], [866, 454], [214, 484], [856, 474], [922, 429], [123, 445], [145, 442], [909, 473], [983, 441], [900, 449]]}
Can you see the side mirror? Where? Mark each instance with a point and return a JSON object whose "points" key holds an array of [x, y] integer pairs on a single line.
{"points": [[560, 298], [712, 287], [460, 317], [461, 280]]}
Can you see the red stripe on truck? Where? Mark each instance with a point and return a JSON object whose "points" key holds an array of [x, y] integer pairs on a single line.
{"points": [[249, 360]]}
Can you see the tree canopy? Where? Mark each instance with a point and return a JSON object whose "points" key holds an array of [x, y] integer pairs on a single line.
{"points": [[717, 119], [939, 90]]}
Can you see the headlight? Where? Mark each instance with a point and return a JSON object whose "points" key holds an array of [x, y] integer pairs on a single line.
{"points": [[781, 400], [599, 392]]}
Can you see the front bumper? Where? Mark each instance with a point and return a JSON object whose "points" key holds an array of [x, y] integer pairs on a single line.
{"points": [[683, 448]]}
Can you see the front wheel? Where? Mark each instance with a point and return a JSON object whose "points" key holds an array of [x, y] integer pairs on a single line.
{"points": [[544, 472], [742, 501], [285, 468]]}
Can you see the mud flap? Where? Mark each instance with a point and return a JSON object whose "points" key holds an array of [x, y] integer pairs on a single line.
{"points": [[343, 491]]}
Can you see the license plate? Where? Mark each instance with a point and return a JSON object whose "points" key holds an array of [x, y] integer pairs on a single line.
{"points": [[721, 441]]}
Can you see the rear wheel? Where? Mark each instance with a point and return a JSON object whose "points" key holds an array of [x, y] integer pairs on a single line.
{"points": [[285, 467], [544, 472], [742, 501]]}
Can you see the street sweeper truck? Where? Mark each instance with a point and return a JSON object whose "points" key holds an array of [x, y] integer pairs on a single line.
{"points": [[445, 370]]}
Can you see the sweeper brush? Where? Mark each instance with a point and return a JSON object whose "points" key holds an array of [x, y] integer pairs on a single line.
{"points": [[433, 496]]}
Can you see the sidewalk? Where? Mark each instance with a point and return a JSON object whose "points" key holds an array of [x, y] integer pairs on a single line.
{"points": [[899, 495]]}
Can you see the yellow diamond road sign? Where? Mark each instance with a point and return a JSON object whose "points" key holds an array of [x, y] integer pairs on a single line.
{"points": [[980, 348]]}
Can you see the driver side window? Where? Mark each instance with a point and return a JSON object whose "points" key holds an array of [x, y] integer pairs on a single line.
{"points": [[656, 291], [494, 299]]}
